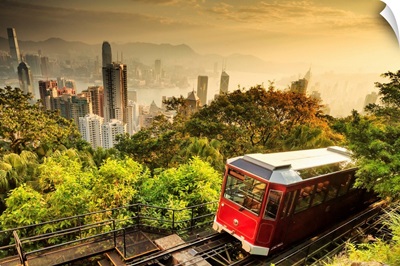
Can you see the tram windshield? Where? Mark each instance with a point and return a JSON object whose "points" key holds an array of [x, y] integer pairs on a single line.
{"points": [[245, 191]]}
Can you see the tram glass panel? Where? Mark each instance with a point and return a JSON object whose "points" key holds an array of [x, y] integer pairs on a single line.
{"points": [[245, 191], [274, 199], [303, 202]]}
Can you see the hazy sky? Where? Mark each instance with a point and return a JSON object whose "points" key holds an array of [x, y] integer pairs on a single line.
{"points": [[343, 35]]}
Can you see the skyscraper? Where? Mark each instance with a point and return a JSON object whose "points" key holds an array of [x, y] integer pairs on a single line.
{"points": [[224, 83], [97, 96], [202, 85], [34, 62], [25, 78], [115, 92], [157, 70], [14, 48], [110, 130], [90, 128], [106, 54], [47, 89]]}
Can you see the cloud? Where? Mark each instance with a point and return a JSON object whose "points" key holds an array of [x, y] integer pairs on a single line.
{"points": [[292, 15], [86, 25], [171, 2]]}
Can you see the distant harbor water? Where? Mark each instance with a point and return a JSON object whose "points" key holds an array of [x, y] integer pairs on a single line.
{"points": [[146, 95]]}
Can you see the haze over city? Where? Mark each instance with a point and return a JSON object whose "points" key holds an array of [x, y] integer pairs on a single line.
{"points": [[347, 44]]}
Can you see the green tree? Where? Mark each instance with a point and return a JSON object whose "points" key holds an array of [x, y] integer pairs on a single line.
{"points": [[257, 120], [207, 151], [194, 183], [26, 126], [68, 187], [155, 146], [15, 170], [375, 141]]}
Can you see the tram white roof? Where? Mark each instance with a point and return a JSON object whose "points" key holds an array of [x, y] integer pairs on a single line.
{"points": [[298, 160], [281, 167]]}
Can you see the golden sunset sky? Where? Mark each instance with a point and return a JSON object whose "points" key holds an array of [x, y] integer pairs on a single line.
{"points": [[342, 35]]}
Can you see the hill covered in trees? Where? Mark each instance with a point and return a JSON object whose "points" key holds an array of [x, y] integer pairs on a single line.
{"points": [[48, 172]]}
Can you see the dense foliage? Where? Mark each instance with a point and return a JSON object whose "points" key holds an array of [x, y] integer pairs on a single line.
{"points": [[26, 126], [244, 121], [376, 251], [375, 140]]}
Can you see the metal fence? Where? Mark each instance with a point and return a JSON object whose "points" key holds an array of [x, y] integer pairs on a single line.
{"points": [[42, 237]]}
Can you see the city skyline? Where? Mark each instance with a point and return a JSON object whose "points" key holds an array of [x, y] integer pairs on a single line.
{"points": [[349, 36]]}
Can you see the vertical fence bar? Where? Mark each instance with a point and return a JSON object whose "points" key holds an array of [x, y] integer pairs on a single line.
{"points": [[124, 231], [173, 220], [192, 220], [138, 210], [115, 234]]}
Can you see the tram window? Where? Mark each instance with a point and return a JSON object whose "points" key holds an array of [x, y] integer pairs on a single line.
{"points": [[246, 192], [303, 202], [320, 193], [274, 199], [344, 187], [288, 203], [332, 191]]}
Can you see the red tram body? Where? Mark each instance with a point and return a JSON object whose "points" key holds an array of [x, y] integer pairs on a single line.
{"points": [[271, 200]]}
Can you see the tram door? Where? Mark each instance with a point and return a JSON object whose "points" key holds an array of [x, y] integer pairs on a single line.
{"points": [[269, 222], [277, 210]]}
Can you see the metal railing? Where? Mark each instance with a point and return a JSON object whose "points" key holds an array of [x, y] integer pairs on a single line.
{"points": [[42, 237]]}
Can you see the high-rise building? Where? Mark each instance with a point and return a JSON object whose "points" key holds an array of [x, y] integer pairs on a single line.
{"points": [[224, 83], [370, 98], [90, 128], [192, 103], [157, 70], [33, 61], [44, 66], [25, 78], [106, 54], [132, 117], [110, 130], [47, 89], [97, 97], [202, 85], [299, 86], [72, 106], [115, 92], [14, 48]]}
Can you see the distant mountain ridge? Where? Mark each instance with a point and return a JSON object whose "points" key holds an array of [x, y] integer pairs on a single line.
{"points": [[146, 53]]}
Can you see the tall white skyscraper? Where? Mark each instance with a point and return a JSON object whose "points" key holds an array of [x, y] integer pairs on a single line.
{"points": [[90, 128], [110, 130]]}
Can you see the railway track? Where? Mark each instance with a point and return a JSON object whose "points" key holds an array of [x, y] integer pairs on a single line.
{"points": [[224, 250], [318, 248], [218, 246]]}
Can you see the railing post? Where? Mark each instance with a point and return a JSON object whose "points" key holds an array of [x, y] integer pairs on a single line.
{"points": [[192, 220], [115, 234], [18, 245], [173, 220], [79, 224], [124, 231], [138, 210]]}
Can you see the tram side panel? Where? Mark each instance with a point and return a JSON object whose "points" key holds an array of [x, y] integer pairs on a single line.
{"points": [[316, 204]]}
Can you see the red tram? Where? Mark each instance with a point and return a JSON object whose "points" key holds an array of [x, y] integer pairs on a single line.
{"points": [[271, 200]]}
